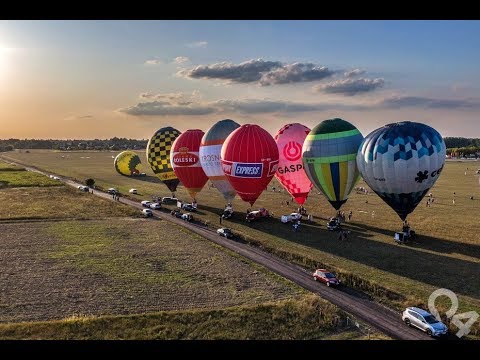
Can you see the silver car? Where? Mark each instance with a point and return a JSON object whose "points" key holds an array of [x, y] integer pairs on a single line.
{"points": [[413, 316]]}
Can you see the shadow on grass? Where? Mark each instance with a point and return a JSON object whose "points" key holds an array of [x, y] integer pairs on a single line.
{"points": [[460, 276]]}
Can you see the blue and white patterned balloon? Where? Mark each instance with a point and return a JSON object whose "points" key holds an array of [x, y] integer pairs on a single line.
{"points": [[401, 162]]}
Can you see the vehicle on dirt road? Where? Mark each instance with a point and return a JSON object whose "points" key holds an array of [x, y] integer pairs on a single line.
{"points": [[225, 232], [326, 277], [423, 320]]}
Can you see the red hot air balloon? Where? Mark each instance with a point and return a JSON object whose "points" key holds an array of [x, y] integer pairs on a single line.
{"points": [[186, 163], [249, 161], [290, 171]]}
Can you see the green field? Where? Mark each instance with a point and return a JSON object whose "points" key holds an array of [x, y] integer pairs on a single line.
{"points": [[306, 317], [446, 255], [75, 266], [10, 178]]}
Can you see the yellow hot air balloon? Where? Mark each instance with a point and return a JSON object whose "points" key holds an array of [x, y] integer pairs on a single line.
{"points": [[128, 163]]}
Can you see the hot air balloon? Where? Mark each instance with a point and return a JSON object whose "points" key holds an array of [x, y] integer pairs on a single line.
{"points": [[128, 163], [249, 161], [185, 161], [158, 156], [210, 148], [329, 157], [290, 171], [401, 162]]}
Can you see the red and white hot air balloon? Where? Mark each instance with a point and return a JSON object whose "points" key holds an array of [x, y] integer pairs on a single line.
{"points": [[249, 161], [290, 172], [185, 161]]}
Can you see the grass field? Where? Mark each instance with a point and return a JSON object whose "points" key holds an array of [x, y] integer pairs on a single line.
{"points": [[305, 317], [54, 270], [59, 202], [10, 178], [447, 254]]}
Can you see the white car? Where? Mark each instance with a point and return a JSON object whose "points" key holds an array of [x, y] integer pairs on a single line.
{"points": [[56, 178], [147, 212], [292, 217], [146, 203], [226, 232], [155, 206], [132, 191]]}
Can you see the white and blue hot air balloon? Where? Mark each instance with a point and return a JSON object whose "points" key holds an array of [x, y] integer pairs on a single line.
{"points": [[401, 162]]}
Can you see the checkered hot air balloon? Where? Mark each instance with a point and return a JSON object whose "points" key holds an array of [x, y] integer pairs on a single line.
{"points": [[249, 161], [185, 161], [329, 157], [401, 162], [158, 156], [290, 173]]}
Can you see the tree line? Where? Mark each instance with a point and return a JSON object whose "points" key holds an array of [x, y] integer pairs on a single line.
{"points": [[72, 145]]}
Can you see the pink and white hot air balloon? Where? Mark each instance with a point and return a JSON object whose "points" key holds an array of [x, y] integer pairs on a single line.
{"points": [[290, 172]]}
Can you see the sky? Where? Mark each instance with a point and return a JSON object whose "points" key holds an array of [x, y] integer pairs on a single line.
{"points": [[99, 79]]}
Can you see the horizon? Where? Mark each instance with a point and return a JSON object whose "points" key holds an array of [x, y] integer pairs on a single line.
{"points": [[86, 80]]}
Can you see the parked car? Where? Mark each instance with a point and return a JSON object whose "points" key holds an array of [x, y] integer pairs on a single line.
{"points": [[189, 207], [326, 277], [292, 217], [112, 191], [133, 191], [155, 206], [177, 213], [422, 319], [83, 188], [225, 232], [186, 217], [147, 212], [257, 214], [146, 203], [334, 224], [227, 213], [169, 200]]}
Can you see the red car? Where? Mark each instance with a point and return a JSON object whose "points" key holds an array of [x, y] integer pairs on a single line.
{"points": [[326, 276]]}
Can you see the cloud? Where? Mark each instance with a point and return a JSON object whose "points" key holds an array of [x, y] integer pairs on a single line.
{"points": [[258, 106], [197, 44], [294, 73], [245, 72], [162, 108], [169, 104], [78, 117], [350, 87], [153, 62], [192, 104], [353, 73], [419, 101], [181, 59]]}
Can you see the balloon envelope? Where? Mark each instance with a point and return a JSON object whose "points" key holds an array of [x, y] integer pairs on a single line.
{"points": [[185, 161], [128, 163], [158, 155], [249, 160], [401, 162], [290, 171], [210, 149], [329, 157]]}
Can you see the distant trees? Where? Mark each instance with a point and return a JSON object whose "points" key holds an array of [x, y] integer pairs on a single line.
{"points": [[66, 145], [90, 182]]}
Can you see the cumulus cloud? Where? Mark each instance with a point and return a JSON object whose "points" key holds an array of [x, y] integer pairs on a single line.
{"points": [[163, 108], [181, 59], [245, 72], [293, 73], [258, 70], [419, 101], [257, 106], [353, 73], [350, 87], [197, 44], [153, 62]]}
